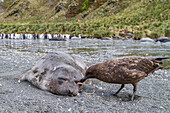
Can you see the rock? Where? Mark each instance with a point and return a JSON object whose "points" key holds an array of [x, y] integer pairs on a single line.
{"points": [[146, 40], [163, 39], [58, 9], [106, 38], [129, 35], [122, 38], [126, 35]]}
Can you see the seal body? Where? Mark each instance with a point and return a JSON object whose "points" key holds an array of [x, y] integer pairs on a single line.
{"points": [[57, 73], [163, 39], [125, 70]]}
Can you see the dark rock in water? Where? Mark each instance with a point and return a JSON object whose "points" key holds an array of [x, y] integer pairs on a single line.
{"points": [[106, 38], [57, 73], [163, 39], [125, 70], [146, 40]]}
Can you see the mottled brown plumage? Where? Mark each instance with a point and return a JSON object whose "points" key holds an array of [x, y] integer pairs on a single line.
{"points": [[125, 70]]}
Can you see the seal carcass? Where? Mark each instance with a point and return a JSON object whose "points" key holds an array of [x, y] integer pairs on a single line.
{"points": [[57, 73]]}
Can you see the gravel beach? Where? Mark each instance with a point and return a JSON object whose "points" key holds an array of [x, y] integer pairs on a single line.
{"points": [[152, 96]]}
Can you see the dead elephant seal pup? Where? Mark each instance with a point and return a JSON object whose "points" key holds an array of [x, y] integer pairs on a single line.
{"points": [[125, 70], [57, 73]]}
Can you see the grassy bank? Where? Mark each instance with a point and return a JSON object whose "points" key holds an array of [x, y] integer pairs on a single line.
{"points": [[113, 18]]}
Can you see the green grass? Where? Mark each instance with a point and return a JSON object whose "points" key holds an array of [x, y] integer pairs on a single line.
{"points": [[140, 17]]}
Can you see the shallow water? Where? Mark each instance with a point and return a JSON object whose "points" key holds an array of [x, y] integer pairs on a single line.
{"points": [[17, 56]]}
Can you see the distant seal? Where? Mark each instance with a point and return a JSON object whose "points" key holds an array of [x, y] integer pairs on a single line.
{"points": [[106, 38], [146, 40], [163, 39], [57, 73], [125, 70]]}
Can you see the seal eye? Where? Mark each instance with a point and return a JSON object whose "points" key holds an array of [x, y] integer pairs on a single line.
{"points": [[61, 80], [35, 71]]}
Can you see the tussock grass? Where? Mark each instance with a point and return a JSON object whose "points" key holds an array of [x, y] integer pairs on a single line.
{"points": [[142, 18]]}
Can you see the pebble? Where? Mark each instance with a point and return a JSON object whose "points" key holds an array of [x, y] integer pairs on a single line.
{"points": [[19, 81], [69, 109]]}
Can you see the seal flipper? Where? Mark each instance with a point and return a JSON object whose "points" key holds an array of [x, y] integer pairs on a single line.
{"points": [[23, 76]]}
